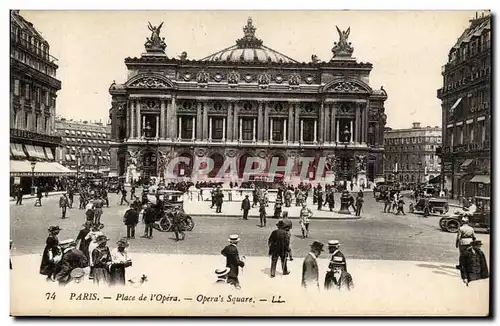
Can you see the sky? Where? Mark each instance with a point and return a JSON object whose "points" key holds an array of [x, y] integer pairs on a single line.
{"points": [[407, 49]]}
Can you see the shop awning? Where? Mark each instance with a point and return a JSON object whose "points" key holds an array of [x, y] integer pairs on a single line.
{"points": [[48, 153], [466, 163], [17, 150], [456, 104], [481, 178], [40, 152], [42, 169], [31, 151]]}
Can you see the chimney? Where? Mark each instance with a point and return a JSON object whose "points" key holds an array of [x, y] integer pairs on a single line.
{"points": [[416, 125]]}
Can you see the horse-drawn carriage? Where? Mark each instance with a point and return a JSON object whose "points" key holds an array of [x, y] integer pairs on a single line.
{"points": [[172, 203], [478, 218]]}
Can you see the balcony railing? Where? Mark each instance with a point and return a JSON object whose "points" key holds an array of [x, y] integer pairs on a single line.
{"points": [[33, 49]]}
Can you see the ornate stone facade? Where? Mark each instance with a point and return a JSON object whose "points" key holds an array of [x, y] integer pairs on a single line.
{"points": [[249, 101]]}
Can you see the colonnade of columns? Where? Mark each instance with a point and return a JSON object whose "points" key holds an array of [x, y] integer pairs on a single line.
{"points": [[326, 124]]}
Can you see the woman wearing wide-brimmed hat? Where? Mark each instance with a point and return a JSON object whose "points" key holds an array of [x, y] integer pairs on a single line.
{"points": [[101, 257], [51, 253], [120, 260]]}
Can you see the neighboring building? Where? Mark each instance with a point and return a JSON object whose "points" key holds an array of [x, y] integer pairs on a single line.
{"points": [[411, 154], [466, 109], [33, 92], [247, 101], [84, 147]]}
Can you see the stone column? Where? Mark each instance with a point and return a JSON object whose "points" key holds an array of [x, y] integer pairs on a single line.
{"points": [[199, 124], [297, 126], [260, 123], [157, 127], [357, 124], [230, 123], [223, 129], [193, 132], [271, 130], [284, 130], [143, 123], [179, 134], [315, 130], [351, 130], [138, 118], [240, 134], [321, 122], [253, 132], [327, 135], [205, 122], [290, 123], [174, 117], [301, 131], [334, 126], [168, 120], [210, 129], [162, 118], [337, 135], [266, 121], [234, 124]]}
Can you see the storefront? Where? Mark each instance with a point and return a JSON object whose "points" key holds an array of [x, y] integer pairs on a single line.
{"points": [[26, 174]]}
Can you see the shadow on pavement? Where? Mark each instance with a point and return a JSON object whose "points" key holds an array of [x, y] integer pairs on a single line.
{"points": [[442, 269]]}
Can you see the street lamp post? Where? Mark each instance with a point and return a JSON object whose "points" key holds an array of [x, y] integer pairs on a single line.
{"points": [[33, 164]]}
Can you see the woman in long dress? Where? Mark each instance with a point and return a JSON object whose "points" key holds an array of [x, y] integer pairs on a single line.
{"points": [[120, 260], [51, 253], [101, 258]]}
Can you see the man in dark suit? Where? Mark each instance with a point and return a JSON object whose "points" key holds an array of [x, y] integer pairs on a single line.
{"points": [[149, 220], [278, 248], [334, 250], [233, 260], [473, 264], [72, 258], [245, 207], [310, 271], [131, 219], [337, 277]]}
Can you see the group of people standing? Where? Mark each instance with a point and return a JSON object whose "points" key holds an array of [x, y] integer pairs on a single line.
{"points": [[336, 277], [70, 260]]}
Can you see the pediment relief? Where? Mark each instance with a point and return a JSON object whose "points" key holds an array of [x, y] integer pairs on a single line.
{"points": [[150, 81], [347, 86]]}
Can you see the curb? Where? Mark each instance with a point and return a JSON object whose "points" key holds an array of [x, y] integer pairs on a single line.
{"points": [[32, 197], [270, 217]]}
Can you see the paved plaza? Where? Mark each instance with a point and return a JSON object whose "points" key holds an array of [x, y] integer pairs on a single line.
{"points": [[407, 256]]}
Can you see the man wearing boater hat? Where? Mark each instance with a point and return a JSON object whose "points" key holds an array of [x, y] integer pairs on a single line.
{"points": [[222, 275], [233, 260], [310, 271], [337, 277], [334, 250]]}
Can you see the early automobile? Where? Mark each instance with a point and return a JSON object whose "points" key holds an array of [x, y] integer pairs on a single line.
{"points": [[173, 203], [478, 218], [436, 205]]}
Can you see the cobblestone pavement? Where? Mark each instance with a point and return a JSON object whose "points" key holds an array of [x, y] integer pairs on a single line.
{"points": [[376, 236]]}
